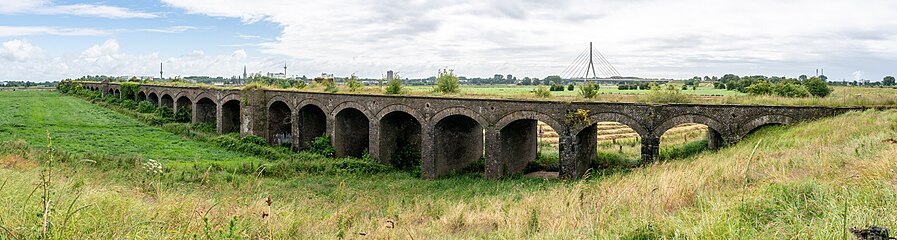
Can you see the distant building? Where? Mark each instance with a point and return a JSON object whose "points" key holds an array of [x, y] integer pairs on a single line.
{"points": [[390, 75], [276, 75]]}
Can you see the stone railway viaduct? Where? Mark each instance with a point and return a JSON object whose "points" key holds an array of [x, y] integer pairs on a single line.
{"points": [[451, 133]]}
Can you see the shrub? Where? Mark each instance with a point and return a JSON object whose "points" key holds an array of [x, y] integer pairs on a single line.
{"points": [[817, 87], [166, 113], [447, 82], [321, 145], [353, 84], [556, 87], [183, 115], [146, 107], [589, 90], [406, 157], [128, 104], [330, 86], [761, 87], [542, 92], [570, 87], [671, 94], [395, 87], [791, 90]]}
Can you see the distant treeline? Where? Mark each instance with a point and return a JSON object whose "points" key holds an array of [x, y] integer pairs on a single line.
{"points": [[20, 84]]}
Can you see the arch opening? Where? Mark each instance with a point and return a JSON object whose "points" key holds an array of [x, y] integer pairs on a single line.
{"points": [[280, 124], [312, 123], [400, 140], [117, 93], [153, 98], [519, 143], [183, 111], [141, 96], [205, 111], [458, 145], [688, 139], [167, 101], [351, 133], [617, 145], [230, 117]]}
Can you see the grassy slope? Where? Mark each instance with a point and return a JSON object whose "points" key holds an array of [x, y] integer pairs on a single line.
{"points": [[800, 183], [79, 126]]}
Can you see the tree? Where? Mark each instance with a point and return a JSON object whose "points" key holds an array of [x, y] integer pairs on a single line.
{"points": [[817, 87], [447, 82], [550, 79], [802, 78], [394, 86], [790, 90], [570, 87], [353, 84], [526, 81], [888, 81], [760, 88], [589, 89]]}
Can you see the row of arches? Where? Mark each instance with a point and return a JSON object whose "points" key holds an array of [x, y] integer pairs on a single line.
{"points": [[205, 109], [451, 140]]}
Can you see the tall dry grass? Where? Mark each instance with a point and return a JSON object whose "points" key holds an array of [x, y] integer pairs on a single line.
{"points": [[811, 180]]}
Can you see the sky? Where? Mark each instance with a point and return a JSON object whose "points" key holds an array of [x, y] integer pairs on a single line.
{"points": [[54, 39]]}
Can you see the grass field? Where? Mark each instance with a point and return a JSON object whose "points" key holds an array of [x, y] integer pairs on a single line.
{"points": [[808, 181], [81, 127]]}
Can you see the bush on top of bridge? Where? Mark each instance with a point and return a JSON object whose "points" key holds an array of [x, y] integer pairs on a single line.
{"points": [[447, 82]]}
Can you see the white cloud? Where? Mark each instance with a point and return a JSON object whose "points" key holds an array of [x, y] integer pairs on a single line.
{"points": [[172, 29], [107, 59], [644, 38], [19, 50], [239, 55], [16, 31], [106, 50], [46, 7]]}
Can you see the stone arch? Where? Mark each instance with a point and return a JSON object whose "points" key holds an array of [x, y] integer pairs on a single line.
{"points": [[400, 136], [312, 122], [399, 108], [765, 120], [184, 102], [280, 123], [517, 141], [457, 143], [619, 118], [230, 115], [357, 106], [141, 96], [117, 92], [351, 130], [204, 94], [167, 101], [311, 101], [532, 115], [205, 110], [691, 118], [279, 98], [153, 98], [718, 134], [459, 111]]}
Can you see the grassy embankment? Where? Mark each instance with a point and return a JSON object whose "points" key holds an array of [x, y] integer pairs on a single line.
{"points": [[811, 180]]}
